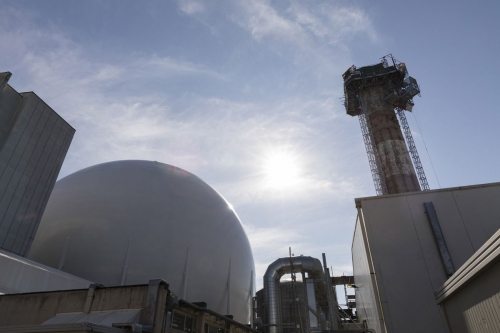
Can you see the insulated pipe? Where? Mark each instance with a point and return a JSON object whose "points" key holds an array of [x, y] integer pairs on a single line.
{"points": [[274, 272]]}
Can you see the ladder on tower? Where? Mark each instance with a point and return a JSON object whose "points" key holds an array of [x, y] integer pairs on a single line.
{"points": [[422, 179], [371, 150]]}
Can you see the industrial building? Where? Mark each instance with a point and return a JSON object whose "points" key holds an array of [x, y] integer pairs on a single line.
{"points": [[112, 234], [470, 299], [116, 224], [297, 306], [150, 307], [412, 243], [125, 222], [399, 260], [34, 140]]}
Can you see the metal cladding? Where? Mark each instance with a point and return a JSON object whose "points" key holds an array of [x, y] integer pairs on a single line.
{"points": [[34, 140], [274, 272], [400, 263], [375, 94], [132, 221]]}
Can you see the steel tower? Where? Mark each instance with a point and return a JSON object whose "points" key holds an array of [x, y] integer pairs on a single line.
{"points": [[376, 94]]}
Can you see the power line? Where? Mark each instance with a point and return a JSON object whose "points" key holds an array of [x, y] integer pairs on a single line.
{"points": [[428, 155]]}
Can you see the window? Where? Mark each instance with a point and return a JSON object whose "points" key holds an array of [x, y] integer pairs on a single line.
{"points": [[182, 322], [213, 329]]}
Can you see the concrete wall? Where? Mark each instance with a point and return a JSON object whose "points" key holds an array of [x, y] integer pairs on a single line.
{"points": [[407, 264], [470, 299], [150, 306], [34, 140], [36, 308]]}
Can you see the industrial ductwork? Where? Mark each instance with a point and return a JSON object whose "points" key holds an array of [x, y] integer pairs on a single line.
{"points": [[275, 271]]}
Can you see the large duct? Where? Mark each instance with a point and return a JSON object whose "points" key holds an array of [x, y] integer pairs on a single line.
{"points": [[274, 272]]}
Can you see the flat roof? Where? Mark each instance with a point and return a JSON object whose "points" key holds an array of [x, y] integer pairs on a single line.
{"points": [[458, 188]]}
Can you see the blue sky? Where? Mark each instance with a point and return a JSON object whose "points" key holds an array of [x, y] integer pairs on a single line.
{"points": [[220, 88]]}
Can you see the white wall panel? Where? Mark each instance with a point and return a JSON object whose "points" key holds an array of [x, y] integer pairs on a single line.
{"points": [[407, 263], [366, 302]]}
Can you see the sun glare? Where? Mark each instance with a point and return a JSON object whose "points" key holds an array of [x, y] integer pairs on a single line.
{"points": [[281, 170]]}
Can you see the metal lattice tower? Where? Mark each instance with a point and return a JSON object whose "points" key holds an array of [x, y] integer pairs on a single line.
{"points": [[371, 151], [413, 150], [376, 94]]}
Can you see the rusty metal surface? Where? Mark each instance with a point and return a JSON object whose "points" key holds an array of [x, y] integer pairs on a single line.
{"points": [[338, 280]]}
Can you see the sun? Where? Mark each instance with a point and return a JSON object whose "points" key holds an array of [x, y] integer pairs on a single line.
{"points": [[281, 170]]}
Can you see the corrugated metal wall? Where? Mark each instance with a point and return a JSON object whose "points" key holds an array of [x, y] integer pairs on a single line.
{"points": [[470, 299], [476, 308], [32, 149]]}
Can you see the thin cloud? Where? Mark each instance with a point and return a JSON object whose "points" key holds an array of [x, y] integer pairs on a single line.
{"points": [[262, 20], [332, 23], [219, 136], [160, 66], [300, 24], [191, 7]]}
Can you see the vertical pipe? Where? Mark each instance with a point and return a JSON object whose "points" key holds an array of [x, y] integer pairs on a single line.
{"points": [[251, 294], [185, 277], [274, 272], [125, 265], [438, 236], [229, 289], [63, 254]]}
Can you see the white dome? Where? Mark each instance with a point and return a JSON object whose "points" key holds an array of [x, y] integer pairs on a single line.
{"points": [[161, 211]]}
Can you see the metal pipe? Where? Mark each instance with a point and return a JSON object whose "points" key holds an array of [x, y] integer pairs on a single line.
{"points": [[272, 278], [125, 265], [229, 289], [63, 255], [252, 302], [439, 237], [185, 273]]}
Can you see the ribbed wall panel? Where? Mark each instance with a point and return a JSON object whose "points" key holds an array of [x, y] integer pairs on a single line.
{"points": [[34, 142]]}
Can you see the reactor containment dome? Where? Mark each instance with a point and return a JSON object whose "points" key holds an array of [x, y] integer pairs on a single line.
{"points": [[127, 222]]}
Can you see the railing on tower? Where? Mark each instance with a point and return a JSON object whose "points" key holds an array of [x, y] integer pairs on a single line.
{"points": [[371, 150]]}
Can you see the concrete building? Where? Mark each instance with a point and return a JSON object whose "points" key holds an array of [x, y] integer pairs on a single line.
{"points": [[151, 307], [401, 260], [126, 222], [34, 140]]}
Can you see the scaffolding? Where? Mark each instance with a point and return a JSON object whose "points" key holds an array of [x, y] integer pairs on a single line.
{"points": [[371, 150], [422, 179], [399, 89]]}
